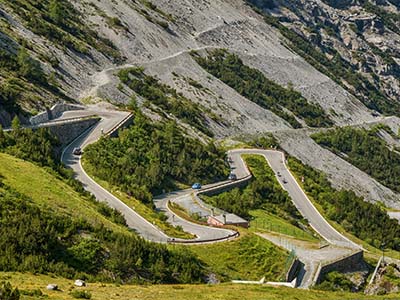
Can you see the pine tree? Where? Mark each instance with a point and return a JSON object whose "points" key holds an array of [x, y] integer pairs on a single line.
{"points": [[16, 123], [24, 62], [56, 11], [28, 67]]}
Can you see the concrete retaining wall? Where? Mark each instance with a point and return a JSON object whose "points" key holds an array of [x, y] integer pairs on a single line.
{"points": [[225, 187], [349, 263], [123, 124], [67, 132], [53, 112], [293, 270]]}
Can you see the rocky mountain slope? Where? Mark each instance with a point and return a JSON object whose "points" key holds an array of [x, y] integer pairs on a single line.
{"points": [[342, 56], [94, 36], [364, 34]]}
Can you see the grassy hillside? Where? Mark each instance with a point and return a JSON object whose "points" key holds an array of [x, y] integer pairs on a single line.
{"points": [[32, 284], [365, 150], [46, 227], [248, 258], [50, 192]]}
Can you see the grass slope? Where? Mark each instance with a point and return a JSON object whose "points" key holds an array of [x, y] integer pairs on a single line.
{"points": [[46, 190], [28, 283], [249, 258], [263, 220], [142, 209]]}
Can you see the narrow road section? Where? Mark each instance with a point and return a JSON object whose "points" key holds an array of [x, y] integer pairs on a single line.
{"points": [[276, 160], [109, 119]]}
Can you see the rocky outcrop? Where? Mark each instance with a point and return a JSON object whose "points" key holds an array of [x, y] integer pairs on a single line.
{"points": [[364, 35]]}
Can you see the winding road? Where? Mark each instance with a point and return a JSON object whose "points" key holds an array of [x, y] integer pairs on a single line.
{"points": [[277, 162], [110, 118]]}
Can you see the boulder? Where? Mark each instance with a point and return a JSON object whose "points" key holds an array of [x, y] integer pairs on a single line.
{"points": [[80, 282], [52, 287]]}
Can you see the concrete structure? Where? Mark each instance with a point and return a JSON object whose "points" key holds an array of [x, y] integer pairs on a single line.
{"points": [[54, 112], [67, 131], [227, 219], [346, 264]]}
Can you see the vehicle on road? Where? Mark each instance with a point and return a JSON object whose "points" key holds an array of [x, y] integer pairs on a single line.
{"points": [[232, 176], [77, 151], [284, 180], [196, 186], [279, 174]]}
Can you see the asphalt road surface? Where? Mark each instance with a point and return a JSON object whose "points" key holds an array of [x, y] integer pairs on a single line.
{"points": [[143, 227], [276, 161], [203, 233]]}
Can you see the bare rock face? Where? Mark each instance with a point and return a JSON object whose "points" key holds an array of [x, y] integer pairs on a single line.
{"points": [[177, 27], [364, 33], [384, 282]]}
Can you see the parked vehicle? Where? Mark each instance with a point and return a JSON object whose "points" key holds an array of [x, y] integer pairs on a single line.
{"points": [[232, 176], [196, 186], [77, 151]]}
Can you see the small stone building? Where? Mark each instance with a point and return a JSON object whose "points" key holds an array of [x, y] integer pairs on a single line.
{"points": [[227, 219]]}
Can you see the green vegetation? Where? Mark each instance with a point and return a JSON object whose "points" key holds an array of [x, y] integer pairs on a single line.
{"points": [[148, 158], [41, 241], [37, 146], [390, 19], [248, 258], [365, 220], [337, 68], [253, 85], [155, 217], [32, 145], [365, 150], [101, 291], [62, 24], [263, 192], [7, 292], [161, 18], [24, 77], [262, 220], [335, 281], [80, 294], [49, 190], [165, 98]]}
